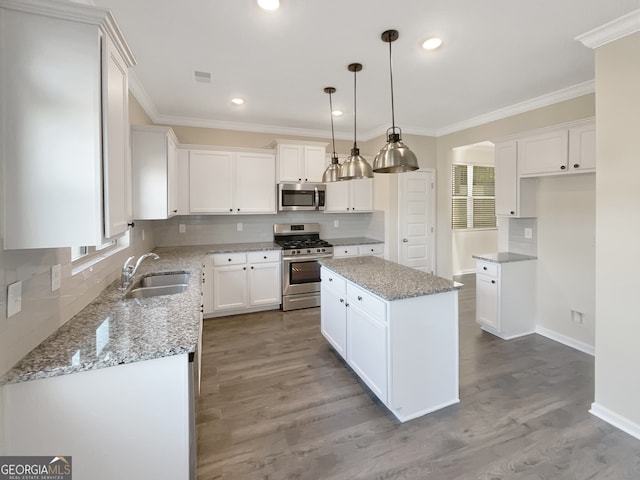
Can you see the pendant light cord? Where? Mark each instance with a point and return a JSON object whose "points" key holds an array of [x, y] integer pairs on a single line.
{"points": [[355, 146], [393, 115], [333, 138]]}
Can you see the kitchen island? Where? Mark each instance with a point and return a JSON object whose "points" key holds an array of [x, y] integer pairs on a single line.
{"points": [[397, 328]]}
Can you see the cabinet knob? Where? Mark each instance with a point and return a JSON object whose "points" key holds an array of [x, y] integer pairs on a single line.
{"points": [[244, 268], [238, 209], [330, 279], [229, 259], [131, 224], [359, 298], [484, 268], [512, 212], [563, 167], [576, 165], [299, 179], [405, 240], [493, 281], [174, 211], [265, 257], [346, 304], [231, 209], [342, 300]]}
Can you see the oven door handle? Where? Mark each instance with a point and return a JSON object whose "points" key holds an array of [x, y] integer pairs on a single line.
{"points": [[310, 258], [316, 198]]}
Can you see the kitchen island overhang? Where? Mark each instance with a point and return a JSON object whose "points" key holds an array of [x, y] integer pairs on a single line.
{"points": [[397, 328]]}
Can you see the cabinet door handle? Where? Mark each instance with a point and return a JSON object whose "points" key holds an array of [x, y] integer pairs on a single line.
{"points": [[342, 300], [359, 298], [563, 167], [576, 165], [493, 281]]}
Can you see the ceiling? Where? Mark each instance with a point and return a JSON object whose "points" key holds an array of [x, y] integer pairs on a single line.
{"points": [[498, 57]]}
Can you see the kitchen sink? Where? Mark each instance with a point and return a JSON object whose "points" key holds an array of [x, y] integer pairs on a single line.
{"points": [[164, 278], [160, 283], [146, 292]]}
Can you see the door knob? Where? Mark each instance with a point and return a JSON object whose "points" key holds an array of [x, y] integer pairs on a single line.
{"points": [[405, 240]]}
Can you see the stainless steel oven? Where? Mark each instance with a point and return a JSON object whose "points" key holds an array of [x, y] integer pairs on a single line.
{"points": [[302, 250], [301, 196]]}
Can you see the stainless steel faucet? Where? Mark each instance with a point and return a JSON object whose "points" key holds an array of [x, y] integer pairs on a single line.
{"points": [[128, 270]]}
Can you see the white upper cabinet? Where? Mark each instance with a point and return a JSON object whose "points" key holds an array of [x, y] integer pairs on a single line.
{"points": [[155, 172], [350, 196], [66, 128], [515, 197], [301, 162], [566, 149], [231, 182]]}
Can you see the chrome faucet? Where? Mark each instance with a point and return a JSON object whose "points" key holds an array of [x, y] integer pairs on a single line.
{"points": [[128, 270]]}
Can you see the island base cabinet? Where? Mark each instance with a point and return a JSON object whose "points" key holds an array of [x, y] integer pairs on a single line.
{"points": [[116, 422], [405, 351]]}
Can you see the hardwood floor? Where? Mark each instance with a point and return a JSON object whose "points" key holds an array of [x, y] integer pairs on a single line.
{"points": [[277, 403]]}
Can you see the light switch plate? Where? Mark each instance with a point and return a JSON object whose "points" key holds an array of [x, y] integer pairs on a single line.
{"points": [[182, 228], [528, 233], [55, 277], [336, 223], [239, 226], [14, 298]]}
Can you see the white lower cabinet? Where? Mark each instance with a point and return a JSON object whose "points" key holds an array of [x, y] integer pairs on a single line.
{"points": [[242, 282], [375, 249], [505, 296], [405, 351]]}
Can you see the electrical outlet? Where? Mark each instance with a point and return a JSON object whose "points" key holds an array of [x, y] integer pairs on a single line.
{"points": [[336, 223], [142, 234], [239, 226], [577, 317], [528, 233], [55, 277], [14, 299], [182, 228]]}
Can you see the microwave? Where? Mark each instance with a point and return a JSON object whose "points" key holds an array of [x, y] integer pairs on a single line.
{"points": [[301, 196]]}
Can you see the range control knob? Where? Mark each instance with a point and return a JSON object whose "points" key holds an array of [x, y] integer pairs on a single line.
{"points": [[308, 251]]}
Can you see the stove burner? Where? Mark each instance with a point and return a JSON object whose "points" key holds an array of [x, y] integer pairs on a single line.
{"points": [[306, 243]]}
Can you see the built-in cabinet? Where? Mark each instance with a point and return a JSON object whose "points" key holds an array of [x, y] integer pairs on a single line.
{"points": [[155, 172], [560, 150], [505, 297], [67, 167], [350, 196], [405, 351], [231, 182], [241, 282], [374, 249], [301, 162]]}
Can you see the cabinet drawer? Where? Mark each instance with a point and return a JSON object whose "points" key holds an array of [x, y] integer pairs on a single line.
{"points": [[345, 251], [487, 268], [229, 258], [377, 249], [334, 282], [264, 256], [367, 302]]}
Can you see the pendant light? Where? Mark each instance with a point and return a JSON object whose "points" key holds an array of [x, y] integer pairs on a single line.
{"points": [[355, 167], [395, 156], [333, 170]]}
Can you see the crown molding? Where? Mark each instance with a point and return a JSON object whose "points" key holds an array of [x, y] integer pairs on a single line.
{"points": [[611, 31], [143, 98], [522, 107]]}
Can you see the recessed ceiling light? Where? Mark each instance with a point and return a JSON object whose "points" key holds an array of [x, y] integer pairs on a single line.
{"points": [[336, 113], [432, 43], [237, 101], [269, 4]]}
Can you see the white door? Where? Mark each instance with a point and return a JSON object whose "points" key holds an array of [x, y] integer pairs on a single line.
{"points": [[416, 204]]}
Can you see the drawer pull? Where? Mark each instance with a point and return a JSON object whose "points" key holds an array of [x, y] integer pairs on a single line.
{"points": [[359, 298]]}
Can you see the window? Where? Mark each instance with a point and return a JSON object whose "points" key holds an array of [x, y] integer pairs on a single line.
{"points": [[82, 257], [472, 197]]}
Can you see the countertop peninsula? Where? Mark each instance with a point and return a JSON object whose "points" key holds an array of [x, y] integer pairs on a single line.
{"points": [[387, 279], [503, 257], [113, 330]]}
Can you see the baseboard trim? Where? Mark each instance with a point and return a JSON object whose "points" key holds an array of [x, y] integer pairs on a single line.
{"points": [[568, 341], [616, 420]]}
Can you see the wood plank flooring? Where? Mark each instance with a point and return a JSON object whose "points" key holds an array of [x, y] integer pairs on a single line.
{"points": [[277, 403]]}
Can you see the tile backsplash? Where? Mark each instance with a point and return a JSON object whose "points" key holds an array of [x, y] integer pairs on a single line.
{"points": [[216, 229], [518, 243]]}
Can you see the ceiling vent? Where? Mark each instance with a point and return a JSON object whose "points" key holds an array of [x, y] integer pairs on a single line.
{"points": [[203, 77]]}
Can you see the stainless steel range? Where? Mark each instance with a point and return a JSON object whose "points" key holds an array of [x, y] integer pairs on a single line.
{"points": [[302, 248]]}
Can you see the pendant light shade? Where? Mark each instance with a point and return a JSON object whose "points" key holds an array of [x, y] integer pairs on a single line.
{"points": [[333, 170], [356, 166], [395, 156]]}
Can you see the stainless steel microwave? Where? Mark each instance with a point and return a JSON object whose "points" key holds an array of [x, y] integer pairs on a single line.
{"points": [[301, 196]]}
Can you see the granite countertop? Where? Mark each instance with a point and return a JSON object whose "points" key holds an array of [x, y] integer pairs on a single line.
{"points": [[113, 330], [389, 280], [352, 241], [504, 257], [242, 247]]}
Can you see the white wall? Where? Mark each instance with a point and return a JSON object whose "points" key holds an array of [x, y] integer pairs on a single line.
{"points": [[566, 257], [617, 387]]}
